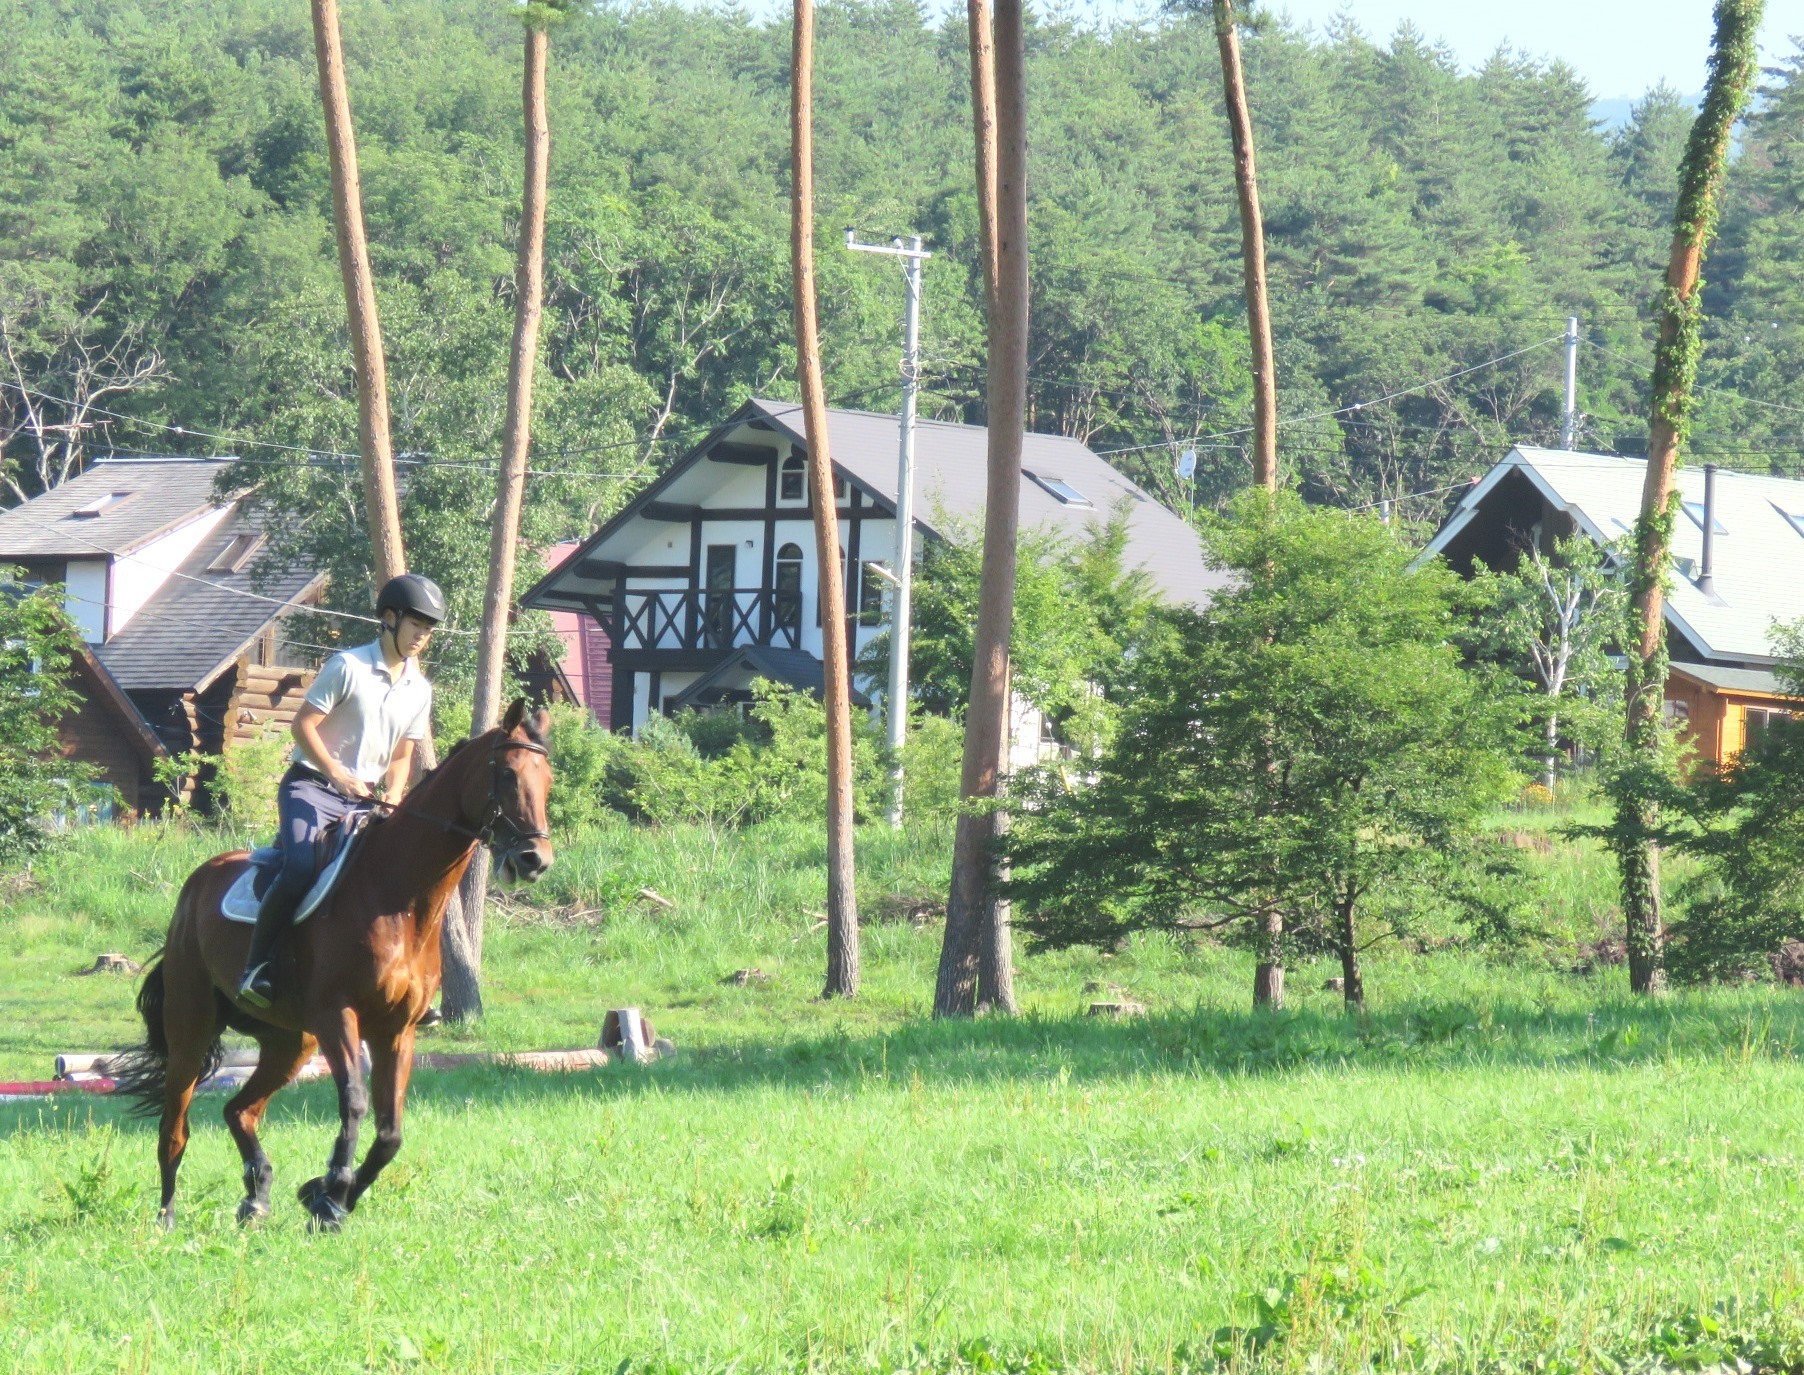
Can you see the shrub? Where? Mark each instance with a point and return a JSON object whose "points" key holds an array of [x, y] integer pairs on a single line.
{"points": [[734, 767], [38, 646], [245, 778]]}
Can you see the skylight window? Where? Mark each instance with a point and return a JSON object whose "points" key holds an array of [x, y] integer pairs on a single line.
{"points": [[237, 552], [103, 502], [1793, 518], [1062, 490], [1695, 509]]}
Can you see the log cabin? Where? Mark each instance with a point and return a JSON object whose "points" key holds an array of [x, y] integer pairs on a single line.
{"points": [[181, 607]]}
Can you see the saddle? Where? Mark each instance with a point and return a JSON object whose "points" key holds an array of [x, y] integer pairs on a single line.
{"points": [[333, 848]]}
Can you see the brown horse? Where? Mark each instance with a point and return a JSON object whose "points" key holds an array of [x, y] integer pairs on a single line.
{"points": [[361, 969]]}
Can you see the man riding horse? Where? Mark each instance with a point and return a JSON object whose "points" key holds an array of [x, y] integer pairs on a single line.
{"points": [[359, 974], [354, 740]]}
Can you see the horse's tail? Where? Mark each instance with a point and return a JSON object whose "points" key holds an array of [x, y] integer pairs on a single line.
{"points": [[142, 1072]]}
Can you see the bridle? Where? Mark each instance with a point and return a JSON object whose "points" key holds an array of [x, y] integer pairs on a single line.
{"points": [[495, 821]]}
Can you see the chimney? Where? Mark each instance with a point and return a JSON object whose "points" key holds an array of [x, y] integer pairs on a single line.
{"points": [[1706, 569]]}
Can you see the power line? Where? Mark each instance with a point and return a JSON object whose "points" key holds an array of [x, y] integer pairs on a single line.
{"points": [[1348, 409], [249, 442], [1700, 386], [278, 602]]}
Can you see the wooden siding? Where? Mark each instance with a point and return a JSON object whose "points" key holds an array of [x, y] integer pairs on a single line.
{"points": [[93, 734], [1715, 719], [262, 698]]}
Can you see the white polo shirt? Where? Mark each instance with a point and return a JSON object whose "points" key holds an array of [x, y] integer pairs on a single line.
{"points": [[368, 711]]}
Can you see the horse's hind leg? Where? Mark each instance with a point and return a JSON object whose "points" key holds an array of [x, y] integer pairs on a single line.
{"points": [[280, 1055], [192, 1028]]}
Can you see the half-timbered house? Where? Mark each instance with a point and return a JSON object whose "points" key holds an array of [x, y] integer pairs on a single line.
{"points": [[707, 581]]}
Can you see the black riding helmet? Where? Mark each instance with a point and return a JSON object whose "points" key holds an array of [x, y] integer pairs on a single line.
{"points": [[412, 592]]}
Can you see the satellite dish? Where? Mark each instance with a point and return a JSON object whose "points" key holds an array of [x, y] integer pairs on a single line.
{"points": [[1187, 464]]}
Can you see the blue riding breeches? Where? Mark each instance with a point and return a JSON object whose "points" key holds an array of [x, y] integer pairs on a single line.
{"points": [[306, 805]]}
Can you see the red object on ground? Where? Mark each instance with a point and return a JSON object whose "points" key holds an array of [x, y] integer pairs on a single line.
{"points": [[37, 1088]]}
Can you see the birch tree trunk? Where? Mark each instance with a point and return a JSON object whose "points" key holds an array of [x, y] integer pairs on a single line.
{"points": [[842, 906], [976, 963], [384, 511], [463, 976], [1733, 58]]}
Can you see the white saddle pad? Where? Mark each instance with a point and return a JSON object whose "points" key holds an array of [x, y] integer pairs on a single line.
{"points": [[240, 902]]}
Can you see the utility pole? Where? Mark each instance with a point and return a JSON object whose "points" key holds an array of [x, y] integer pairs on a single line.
{"points": [[912, 255], [1569, 420]]}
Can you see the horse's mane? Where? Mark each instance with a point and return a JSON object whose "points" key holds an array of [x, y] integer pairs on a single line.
{"points": [[456, 752]]}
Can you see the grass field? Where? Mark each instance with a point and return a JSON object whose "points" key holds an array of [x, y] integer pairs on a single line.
{"points": [[1500, 1167]]}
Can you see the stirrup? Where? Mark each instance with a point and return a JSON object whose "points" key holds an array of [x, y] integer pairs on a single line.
{"points": [[257, 987]]}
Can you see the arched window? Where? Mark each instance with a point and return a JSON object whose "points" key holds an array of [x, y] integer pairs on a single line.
{"points": [[788, 609], [791, 483]]}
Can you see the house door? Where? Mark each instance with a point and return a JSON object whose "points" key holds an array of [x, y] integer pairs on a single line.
{"points": [[723, 563]]}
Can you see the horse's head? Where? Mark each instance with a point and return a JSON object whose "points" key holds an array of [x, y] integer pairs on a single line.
{"points": [[519, 781]]}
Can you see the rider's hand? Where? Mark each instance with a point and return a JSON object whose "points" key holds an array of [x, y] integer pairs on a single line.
{"points": [[350, 785]]}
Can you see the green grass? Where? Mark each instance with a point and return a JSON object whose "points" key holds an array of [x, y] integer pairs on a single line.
{"points": [[1500, 1167]]}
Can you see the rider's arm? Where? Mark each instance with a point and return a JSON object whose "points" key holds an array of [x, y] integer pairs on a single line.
{"points": [[400, 767], [306, 735]]}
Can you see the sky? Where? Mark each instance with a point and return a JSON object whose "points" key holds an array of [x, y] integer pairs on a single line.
{"points": [[1620, 47]]}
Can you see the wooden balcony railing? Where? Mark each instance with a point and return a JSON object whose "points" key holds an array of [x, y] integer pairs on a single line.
{"points": [[706, 619]]}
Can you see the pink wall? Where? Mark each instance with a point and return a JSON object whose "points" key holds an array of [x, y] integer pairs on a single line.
{"points": [[585, 661]]}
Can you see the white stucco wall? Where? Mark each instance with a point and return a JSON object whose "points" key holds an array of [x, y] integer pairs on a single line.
{"points": [[138, 576], [84, 597]]}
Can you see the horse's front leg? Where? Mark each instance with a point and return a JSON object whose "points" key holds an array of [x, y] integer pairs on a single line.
{"points": [[328, 1197], [391, 1065]]}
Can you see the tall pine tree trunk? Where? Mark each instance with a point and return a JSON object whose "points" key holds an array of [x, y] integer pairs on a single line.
{"points": [[983, 128], [1733, 57], [842, 904], [381, 506], [1268, 972], [1252, 249], [976, 964], [463, 975]]}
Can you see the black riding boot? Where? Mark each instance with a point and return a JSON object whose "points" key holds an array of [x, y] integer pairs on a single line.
{"points": [[258, 986]]}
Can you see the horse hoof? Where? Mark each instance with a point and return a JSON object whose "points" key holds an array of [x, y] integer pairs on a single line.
{"points": [[326, 1213], [251, 1210], [166, 1219]]}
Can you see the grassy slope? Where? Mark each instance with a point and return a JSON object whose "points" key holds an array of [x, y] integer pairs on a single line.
{"points": [[1497, 1164]]}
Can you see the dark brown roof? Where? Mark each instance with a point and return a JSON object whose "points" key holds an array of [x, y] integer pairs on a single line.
{"points": [[199, 621], [162, 494]]}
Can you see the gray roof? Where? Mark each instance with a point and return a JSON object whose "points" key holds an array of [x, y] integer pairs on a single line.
{"points": [[199, 622], [950, 490], [164, 493], [795, 667], [1758, 557], [1761, 681], [951, 463]]}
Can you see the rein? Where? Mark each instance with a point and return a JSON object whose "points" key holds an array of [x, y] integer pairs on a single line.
{"points": [[496, 820]]}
